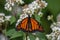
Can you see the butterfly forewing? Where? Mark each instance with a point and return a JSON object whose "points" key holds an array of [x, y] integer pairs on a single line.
{"points": [[35, 25], [23, 24]]}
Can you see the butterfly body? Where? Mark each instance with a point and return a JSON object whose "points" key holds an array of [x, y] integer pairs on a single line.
{"points": [[29, 25]]}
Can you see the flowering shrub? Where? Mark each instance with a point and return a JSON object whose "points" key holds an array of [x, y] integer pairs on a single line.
{"points": [[41, 11]]}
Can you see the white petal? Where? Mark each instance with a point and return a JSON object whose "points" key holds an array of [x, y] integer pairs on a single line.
{"points": [[37, 38], [28, 38], [58, 37], [7, 17], [10, 9], [2, 14], [12, 4]]}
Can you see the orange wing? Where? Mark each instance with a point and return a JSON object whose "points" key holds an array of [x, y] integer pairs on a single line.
{"points": [[23, 24], [35, 25]]}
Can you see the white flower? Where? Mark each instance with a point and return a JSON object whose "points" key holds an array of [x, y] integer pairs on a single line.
{"points": [[27, 10], [55, 35], [2, 14], [19, 20], [58, 24], [28, 38], [40, 14], [10, 8], [32, 7], [53, 25], [51, 36], [7, 18], [58, 37], [5, 8], [37, 38], [12, 4], [50, 17], [1, 20], [34, 33], [21, 1], [56, 29], [43, 4], [22, 16], [48, 36], [7, 5]]}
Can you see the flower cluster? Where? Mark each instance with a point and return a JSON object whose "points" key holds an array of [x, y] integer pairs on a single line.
{"points": [[19, 1], [7, 18], [50, 17], [3, 17], [35, 7], [55, 35], [10, 3]]}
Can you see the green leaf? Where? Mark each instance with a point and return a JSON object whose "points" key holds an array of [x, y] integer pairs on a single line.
{"points": [[10, 32], [37, 18], [41, 36], [17, 34], [32, 37], [12, 20], [24, 36], [18, 15]]}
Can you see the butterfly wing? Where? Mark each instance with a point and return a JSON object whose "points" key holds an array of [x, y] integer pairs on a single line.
{"points": [[35, 25], [23, 24]]}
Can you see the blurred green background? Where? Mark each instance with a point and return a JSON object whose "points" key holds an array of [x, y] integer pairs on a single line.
{"points": [[52, 8]]}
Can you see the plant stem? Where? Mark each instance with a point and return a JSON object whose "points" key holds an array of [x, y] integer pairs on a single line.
{"points": [[27, 35], [0, 28], [6, 29]]}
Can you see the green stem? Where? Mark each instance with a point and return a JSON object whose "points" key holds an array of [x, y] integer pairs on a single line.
{"points": [[26, 35], [0, 28], [6, 27]]}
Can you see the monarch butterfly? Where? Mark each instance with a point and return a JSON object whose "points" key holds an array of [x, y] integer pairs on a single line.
{"points": [[29, 24]]}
